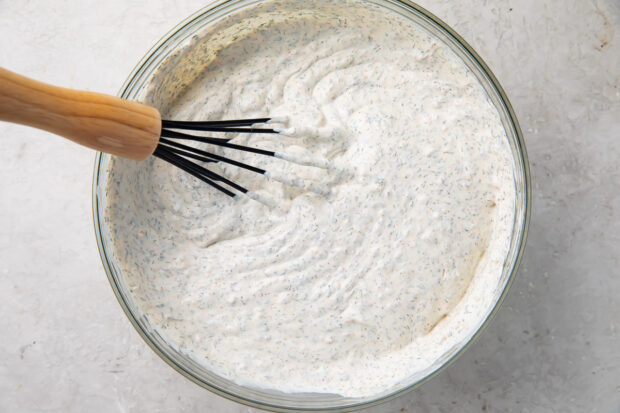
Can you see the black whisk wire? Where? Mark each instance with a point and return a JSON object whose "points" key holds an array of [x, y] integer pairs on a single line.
{"points": [[162, 154], [165, 133], [207, 156], [190, 124], [219, 126]]}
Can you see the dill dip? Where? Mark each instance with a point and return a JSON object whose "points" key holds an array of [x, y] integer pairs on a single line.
{"points": [[362, 271]]}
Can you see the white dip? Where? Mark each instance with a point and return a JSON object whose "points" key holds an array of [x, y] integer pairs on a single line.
{"points": [[362, 281]]}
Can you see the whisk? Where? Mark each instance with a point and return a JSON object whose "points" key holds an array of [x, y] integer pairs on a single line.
{"points": [[130, 129]]}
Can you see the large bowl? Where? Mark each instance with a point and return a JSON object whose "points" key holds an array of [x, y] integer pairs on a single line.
{"points": [[273, 400]]}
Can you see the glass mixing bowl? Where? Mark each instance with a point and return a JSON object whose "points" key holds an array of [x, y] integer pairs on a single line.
{"points": [[268, 399]]}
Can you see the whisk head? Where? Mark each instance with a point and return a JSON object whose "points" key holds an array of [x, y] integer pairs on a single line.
{"points": [[184, 156]]}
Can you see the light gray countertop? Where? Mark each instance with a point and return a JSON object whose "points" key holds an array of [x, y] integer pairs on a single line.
{"points": [[66, 346]]}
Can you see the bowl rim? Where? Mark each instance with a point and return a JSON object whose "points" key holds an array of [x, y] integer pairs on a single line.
{"points": [[150, 58]]}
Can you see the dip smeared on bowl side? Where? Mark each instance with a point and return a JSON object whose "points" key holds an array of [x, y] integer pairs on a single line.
{"points": [[372, 270]]}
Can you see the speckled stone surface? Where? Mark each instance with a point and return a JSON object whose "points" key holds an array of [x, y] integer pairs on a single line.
{"points": [[66, 346]]}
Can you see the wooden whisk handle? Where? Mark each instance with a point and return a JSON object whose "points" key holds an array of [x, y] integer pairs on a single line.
{"points": [[102, 122]]}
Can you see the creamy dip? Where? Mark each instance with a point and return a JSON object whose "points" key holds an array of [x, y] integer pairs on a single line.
{"points": [[375, 266]]}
